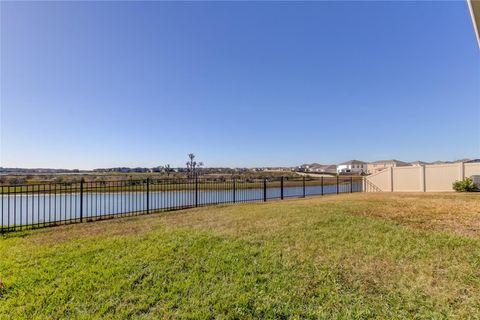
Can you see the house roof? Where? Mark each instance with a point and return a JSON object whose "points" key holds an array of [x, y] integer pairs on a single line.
{"points": [[473, 160], [310, 165], [389, 161], [419, 162], [474, 6], [319, 166], [454, 161], [352, 162]]}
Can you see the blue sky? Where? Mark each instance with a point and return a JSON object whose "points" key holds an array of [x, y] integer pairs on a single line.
{"points": [[102, 84]]}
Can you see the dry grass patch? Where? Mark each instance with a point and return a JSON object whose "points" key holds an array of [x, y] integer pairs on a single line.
{"points": [[458, 213]]}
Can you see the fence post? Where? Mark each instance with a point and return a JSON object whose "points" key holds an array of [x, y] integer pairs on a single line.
{"points": [[322, 184], [391, 179], [196, 191], [422, 177], [351, 184], [148, 195], [234, 191], [337, 184], [264, 189], [81, 200], [304, 186], [281, 188]]}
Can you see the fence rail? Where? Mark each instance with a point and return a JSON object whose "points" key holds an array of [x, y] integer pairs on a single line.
{"points": [[42, 205]]}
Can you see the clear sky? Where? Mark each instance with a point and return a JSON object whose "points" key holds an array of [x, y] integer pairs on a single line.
{"points": [[103, 84]]}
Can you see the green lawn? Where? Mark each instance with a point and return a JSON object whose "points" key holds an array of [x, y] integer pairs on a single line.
{"points": [[180, 185], [346, 256]]}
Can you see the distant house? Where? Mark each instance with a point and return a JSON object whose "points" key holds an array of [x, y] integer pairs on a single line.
{"points": [[473, 161], [311, 167], [418, 163], [380, 165], [318, 168], [324, 168], [328, 168], [467, 160], [454, 161], [439, 162], [352, 166]]}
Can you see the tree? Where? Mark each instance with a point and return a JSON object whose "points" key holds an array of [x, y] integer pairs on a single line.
{"points": [[192, 165], [167, 170]]}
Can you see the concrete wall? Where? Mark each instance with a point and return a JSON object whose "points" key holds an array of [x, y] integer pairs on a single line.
{"points": [[440, 177], [380, 181], [471, 169], [428, 178], [408, 179], [375, 167]]}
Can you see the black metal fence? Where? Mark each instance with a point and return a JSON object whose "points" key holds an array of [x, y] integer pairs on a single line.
{"points": [[41, 205]]}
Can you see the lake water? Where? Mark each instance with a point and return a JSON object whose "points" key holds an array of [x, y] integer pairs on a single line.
{"points": [[21, 209]]}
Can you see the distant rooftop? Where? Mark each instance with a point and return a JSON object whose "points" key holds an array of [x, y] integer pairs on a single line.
{"points": [[474, 6], [389, 161], [419, 162], [353, 162], [473, 160]]}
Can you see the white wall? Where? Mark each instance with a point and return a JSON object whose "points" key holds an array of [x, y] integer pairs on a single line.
{"points": [[350, 168]]}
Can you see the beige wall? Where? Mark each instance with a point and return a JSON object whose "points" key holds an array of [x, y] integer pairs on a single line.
{"points": [[374, 167], [377, 167], [440, 177], [472, 169], [429, 178], [408, 179], [380, 181]]}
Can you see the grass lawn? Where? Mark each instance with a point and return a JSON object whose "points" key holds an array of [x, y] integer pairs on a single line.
{"points": [[346, 256], [179, 185]]}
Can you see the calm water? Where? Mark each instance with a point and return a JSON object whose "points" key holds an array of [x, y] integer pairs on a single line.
{"points": [[39, 208]]}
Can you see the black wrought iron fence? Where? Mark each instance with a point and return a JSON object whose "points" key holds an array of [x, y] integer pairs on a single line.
{"points": [[42, 205]]}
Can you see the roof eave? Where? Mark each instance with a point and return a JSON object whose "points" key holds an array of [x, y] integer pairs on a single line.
{"points": [[474, 7]]}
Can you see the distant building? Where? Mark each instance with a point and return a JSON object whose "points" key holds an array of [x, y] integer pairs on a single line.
{"points": [[352, 166], [464, 160], [328, 168], [311, 167], [380, 165], [472, 161], [454, 161], [418, 163], [318, 168]]}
